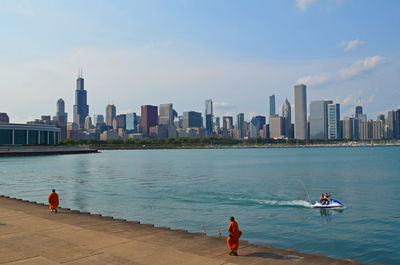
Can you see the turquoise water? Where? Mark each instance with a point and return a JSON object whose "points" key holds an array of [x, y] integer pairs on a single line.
{"points": [[262, 188]]}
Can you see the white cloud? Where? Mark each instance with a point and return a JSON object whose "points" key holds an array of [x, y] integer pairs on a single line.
{"points": [[304, 4], [357, 68], [361, 66], [133, 76], [347, 100], [315, 80], [351, 45], [371, 99], [223, 106]]}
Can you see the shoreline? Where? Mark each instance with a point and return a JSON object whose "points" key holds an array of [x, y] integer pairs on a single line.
{"points": [[126, 147], [14, 151], [86, 237]]}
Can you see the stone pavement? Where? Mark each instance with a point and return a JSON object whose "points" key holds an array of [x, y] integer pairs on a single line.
{"points": [[30, 234]]}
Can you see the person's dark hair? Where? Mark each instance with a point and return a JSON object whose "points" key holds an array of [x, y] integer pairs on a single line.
{"points": [[53, 190], [232, 218]]}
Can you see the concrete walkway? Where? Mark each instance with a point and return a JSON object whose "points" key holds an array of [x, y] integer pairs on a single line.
{"points": [[30, 234]]}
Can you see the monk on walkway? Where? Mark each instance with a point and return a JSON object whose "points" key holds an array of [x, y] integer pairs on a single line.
{"points": [[53, 201], [234, 235]]}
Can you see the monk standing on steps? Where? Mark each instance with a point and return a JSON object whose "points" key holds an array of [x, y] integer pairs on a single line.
{"points": [[53, 201], [234, 235]]}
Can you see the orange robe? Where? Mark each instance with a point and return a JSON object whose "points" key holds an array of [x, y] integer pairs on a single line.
{"points": [[234, 235], [53, 200]]}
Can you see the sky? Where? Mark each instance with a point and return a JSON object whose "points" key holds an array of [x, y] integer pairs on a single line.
{"points": [[236, 53]]}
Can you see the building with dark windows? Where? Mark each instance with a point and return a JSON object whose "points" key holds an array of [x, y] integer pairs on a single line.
{"points": [[120, 122], [4, 117], [149, 117], [272, 105], [358, 111], [27, 134], [192, 119], [397, 124], [287, 119], [240, 126], [98, 118], [256, 124], [208, 115], [81, 108]]}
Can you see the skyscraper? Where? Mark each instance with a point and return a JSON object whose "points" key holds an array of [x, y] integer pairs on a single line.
{"points": [[120, 122], [287, 118], [397, 124], [61, 115], [348, 131], [192, 119], [240, 125], [166, 113], [333, 121], [110, 114], [4, 117], [131, 122], [208, 115], [276, 126], [217, 125], [272, 105], [300, 112], [88, 123], [256, 124], [358, 111], [227, 123], [98, 119], [81, 108], [390, 123], [319, 119], [149, 117]]}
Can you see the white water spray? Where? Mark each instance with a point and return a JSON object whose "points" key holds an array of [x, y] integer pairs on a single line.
{"points": [[308, 196]]}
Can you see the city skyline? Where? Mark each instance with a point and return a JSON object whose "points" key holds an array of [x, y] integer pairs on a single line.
{"points": [[148, 62]]}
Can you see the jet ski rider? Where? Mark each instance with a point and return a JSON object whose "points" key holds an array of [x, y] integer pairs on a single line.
{"points": [[324, 199]]}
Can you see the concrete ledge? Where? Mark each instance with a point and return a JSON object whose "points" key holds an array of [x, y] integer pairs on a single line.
{"points": [[83, 238]]}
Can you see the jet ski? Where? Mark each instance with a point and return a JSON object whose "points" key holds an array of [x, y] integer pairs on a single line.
{"points": [[331, 204]]}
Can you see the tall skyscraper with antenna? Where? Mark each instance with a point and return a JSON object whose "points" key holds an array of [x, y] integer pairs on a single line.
{"points": [[81, 108]]}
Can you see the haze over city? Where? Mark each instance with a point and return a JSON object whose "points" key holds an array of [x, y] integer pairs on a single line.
{"points": [[237, 53]]}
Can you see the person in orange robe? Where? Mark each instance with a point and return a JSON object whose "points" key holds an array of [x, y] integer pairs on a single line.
{"points": [[234, 235], [53, 201]]}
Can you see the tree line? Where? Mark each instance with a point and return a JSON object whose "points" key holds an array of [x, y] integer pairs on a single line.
{"points": [[205, 142]]}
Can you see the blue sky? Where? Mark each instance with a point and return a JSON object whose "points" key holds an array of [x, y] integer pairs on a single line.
{"points": [[234, 52]]}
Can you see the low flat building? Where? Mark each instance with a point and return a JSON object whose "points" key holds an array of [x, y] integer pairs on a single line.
{"points": [[28, 134]]}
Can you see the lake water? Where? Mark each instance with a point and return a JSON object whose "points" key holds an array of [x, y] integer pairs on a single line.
{"points": [[265, 189]]}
